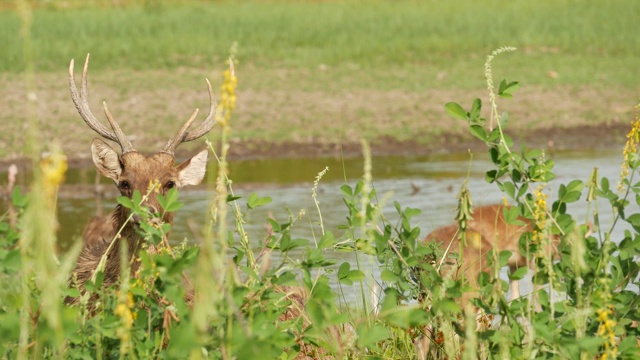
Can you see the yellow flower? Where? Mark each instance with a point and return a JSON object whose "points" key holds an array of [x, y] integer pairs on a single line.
{"points": [[154, 186], [123, 310], [53, 167], [630, 149], [126, 317], [606, 331], [228, 95], [539, 214]]}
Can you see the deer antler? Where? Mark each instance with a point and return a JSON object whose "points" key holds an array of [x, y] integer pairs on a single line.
{"points": [[81, 101], [183, 135]]}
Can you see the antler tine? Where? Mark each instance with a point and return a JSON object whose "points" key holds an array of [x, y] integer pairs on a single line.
{"points": [[80, 100], [183, 135], [125, 144]]}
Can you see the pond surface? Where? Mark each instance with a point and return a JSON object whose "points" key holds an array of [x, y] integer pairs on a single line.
{"points": [[428, 183]]}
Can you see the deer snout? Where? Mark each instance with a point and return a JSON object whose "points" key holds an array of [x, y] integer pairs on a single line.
{"points": [[152, 208]]}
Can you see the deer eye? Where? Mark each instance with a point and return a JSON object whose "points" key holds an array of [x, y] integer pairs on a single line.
{"points": [[169, 185], [124, 185]]}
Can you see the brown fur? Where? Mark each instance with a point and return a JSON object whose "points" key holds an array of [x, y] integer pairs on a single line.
{"points": [[138, 171], [130, 171], [488, 230]]}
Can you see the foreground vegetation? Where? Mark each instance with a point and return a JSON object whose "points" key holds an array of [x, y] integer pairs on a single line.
{"points": [[259, 302]]}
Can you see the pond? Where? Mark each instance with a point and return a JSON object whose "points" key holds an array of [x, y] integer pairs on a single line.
{"points": [[428, 183]]}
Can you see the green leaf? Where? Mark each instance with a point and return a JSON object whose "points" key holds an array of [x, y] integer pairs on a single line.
{"points": [[370, 336], [12, 261], [169, 202], [293, 244], [125, 201], [503, 257], [388, 276], [410, 212], [519, 274], [509, 188], [346, 190], [448, 307], [475, 109], [254, 201], [173, 207], [478, 131], [343, 270], [327, 240], [19, 199], [348, 276], [634, 220], [456, 111], [136, 198], [505, 90]]}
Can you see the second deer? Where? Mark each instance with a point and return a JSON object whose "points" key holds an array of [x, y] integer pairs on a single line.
{"points": [[487, 231]]}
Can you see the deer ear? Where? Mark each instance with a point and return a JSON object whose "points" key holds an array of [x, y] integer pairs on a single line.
{"points": [[106, 159], [191, 172]]}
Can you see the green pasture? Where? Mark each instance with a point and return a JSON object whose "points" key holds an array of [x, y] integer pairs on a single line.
{"points": [[375, 44], [317, 71]]}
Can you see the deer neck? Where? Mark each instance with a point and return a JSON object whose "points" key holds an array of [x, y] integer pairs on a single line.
{"points": [[131, 235]]}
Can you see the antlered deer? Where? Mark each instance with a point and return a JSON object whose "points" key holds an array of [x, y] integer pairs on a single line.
{"points": [[130, 171]]}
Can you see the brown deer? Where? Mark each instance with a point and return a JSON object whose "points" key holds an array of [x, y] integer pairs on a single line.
{"points": [[130, 171], [488, 230]]}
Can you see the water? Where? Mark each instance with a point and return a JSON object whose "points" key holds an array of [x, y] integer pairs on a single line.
{"points": [[428, 183]]}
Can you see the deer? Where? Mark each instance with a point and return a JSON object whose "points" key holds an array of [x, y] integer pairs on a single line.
{"points": [[486, 231], [130, 170]]}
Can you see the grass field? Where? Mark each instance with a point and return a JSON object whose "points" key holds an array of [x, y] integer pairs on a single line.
{"points": [[322, 71]]}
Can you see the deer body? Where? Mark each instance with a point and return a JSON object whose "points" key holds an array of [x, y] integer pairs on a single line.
{"points": [[130, 171], [488, 230]]}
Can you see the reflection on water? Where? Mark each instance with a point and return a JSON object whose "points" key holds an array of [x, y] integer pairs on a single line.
{"points": [[429, 183]]}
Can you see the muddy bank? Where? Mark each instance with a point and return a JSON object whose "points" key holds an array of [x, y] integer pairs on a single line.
{"points": [[608, 135]]}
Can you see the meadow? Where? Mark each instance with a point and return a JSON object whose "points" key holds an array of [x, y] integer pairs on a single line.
{"points": [[252, 298], [352, 69]]}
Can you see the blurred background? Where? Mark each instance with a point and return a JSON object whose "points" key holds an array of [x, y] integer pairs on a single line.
{"points": [[315, 77]]}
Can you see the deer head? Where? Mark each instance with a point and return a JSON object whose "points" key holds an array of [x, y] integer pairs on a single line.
{"points": [[131, 170]]}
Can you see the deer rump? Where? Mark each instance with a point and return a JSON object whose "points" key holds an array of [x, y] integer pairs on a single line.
{"points": [[488, 230]]}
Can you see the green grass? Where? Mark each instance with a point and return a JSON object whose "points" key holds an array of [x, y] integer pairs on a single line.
{"points": [[576, 39], [331, 72]]}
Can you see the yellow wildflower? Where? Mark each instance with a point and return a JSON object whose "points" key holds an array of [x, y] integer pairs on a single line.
{"points": [[606, 331], [228, 95], [539, 214], [126, 317], [154, 186], [123, 310], [630, 149], [53, 167]]}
